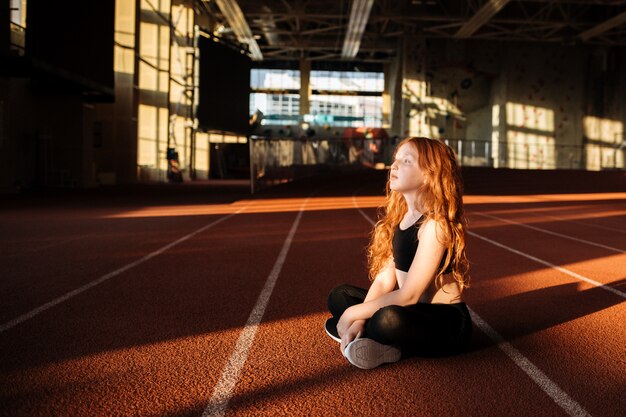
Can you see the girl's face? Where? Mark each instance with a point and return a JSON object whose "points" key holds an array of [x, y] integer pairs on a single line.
{"points": [[405, 174]]}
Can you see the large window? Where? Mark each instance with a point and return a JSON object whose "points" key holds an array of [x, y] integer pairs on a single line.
{"points": [[351, 99], [275, 93], [367, 82], [274, 79], [339, 98]]}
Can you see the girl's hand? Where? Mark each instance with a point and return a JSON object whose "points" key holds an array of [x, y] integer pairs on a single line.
{"points": [[344, 323], [355, 330]]}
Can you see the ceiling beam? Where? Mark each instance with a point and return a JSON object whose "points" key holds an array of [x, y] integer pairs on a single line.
{"points": [[489, 10], [359, 15], [603, 27], [324, 18], [234, 16], [379, 46]]}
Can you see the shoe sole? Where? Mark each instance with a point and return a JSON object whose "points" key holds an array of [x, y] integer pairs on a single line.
{"points": [[367, 354], [331, 329]]}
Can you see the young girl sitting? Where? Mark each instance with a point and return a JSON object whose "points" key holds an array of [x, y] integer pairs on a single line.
{"points": [[417, 265]]}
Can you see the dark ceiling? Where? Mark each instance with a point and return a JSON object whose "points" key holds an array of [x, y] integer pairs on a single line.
{"points": [[316, 29]]}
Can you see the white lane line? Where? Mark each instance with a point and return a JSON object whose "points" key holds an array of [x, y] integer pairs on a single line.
{"points": [[549, 232], [559, 396], [361, 211], [546, 263], [218, 404], [597, 226], [12, 323]]}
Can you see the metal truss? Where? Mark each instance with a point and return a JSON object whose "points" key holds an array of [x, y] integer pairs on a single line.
{"points": [[316, 29]]}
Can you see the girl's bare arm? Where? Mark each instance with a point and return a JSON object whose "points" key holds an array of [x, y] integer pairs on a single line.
{"points": [[420, 275]]}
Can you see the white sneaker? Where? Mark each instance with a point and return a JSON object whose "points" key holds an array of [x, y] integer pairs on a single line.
{"points": [[367, 353]]}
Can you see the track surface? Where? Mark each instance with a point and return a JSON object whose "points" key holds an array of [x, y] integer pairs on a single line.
{"points": [[135, 303]]}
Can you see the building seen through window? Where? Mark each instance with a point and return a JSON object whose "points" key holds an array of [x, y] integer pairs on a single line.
{"points": [[348, 99]]}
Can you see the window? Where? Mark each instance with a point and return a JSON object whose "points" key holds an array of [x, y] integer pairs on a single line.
{"points": [[275, 93], [362, 107], [353, 99]]}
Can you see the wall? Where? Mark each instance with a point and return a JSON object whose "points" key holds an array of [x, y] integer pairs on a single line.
{"points": [[115, 125], [154, 66], [551, 106], [46, 137]]}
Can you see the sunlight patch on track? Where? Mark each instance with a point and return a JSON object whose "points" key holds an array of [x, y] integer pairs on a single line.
{"points": [[277, 205], [180, 210], [571, 210], [539, 229], [218, 404], [537, 279], [566, 214], [534, 198], [36, 311], [551, 265], [603, 215]]}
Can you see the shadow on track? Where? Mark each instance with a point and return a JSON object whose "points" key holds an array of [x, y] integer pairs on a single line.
{"points": [[533, 311]]}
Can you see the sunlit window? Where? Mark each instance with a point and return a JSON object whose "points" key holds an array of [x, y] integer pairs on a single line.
{"points": [[361, 108], [276, 94], [530, 140], [349, 111], [17, 13], [153, 114], [278, 109], [274, 79], [604, 143], [124, 61], [339, 98], [603, 130], [530, 117], [347, 81], [17, 19]]}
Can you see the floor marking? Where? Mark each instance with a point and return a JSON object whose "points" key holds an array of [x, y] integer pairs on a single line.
{"points": [[12, 323], [573, 211], [218, 404], [612, 229], [597, 226], [559, 396], [549, 232], [361, 211], [546, 263]]}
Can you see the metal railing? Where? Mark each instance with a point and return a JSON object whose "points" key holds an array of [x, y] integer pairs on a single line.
{"points": [[278, 160], [537, 155]]}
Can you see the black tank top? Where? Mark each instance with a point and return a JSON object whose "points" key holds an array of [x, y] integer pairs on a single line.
{"points": [[404, 245]]}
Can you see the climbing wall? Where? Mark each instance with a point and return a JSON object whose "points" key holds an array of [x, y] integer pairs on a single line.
{"points": [[528, 105], [459, 79], [543, 106]]}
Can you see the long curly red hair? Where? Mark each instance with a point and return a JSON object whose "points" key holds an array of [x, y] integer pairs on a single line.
{"points": [[440, 198]]}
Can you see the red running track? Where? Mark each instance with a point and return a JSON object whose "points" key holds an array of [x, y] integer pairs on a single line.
{"points": [[135, 303]]}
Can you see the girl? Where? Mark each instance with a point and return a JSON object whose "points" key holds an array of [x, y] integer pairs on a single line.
{"points": [[417, 265]]}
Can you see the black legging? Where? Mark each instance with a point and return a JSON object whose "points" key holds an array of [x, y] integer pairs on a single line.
{"points": [[422, 328]]}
